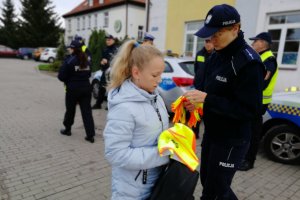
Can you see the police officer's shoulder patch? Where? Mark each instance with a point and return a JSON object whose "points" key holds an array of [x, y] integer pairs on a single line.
{"points": [[243, 57], [251, 54]]}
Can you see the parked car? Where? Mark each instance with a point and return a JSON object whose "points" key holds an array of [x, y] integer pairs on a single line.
{"points": [[7, 51], [177, 78], [37, 53], [281, 128], [49, 55], [96, 83], [25, 53]]}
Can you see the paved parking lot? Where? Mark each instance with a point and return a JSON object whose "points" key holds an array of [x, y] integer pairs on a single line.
{"points": [[36, 162]]}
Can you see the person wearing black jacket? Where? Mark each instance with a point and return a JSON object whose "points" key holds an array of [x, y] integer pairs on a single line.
{"points": [[261, 44], [199, 70], [75, 73], [107, 56], [232, 97]]}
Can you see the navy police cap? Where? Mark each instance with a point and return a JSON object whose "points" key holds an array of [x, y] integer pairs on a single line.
{"points": [[218, 17], [263, 36], [75, 44], [148, 36], [109, 36]]}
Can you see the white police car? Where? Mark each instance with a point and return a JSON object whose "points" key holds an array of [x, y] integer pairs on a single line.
{"points": [[177, 78], [281, 128]]}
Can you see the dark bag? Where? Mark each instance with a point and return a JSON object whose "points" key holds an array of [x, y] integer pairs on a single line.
{"points": [[177, 182]]}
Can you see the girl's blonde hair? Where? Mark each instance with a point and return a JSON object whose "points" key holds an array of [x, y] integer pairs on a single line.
{"points": [[130, 54]]}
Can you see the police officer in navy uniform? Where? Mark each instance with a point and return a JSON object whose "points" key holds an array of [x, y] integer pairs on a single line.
{"points": [[200, 69], [75, 73], [262, 45], [232, 97], [107, 56]]}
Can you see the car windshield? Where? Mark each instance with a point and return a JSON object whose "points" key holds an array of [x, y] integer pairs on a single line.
{"points": [[188, 67]]}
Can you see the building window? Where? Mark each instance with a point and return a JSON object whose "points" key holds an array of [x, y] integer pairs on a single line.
{"points": [[106, 19], [69, 25], [101, 1], [96, 21], [89, 25], [192, 44], [83, 23], [285, 31], [78, 24], [91, 2]]}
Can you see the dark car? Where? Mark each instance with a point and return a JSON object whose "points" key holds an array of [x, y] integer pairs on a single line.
{"points": [[25, 53], [7, 51]]}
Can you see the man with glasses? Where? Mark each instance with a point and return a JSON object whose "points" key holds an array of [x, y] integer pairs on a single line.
{"points": [[232, 97]]}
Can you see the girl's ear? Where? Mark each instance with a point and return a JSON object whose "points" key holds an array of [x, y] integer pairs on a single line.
{"points": [[135, 72]]}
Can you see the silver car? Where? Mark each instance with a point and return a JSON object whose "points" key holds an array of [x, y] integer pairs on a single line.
{"points": [[177, 78], [281, 128]]}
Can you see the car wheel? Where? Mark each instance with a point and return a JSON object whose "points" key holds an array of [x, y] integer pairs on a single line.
{"points": [[95, 86], [282, 144], [25, 57], [51, 60]]}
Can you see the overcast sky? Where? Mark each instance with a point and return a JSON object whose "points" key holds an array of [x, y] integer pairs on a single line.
{"points": [[61, 6]]}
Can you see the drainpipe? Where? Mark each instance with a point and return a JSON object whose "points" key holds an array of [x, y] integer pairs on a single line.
{"points": [[147, 14], [126, 18]]}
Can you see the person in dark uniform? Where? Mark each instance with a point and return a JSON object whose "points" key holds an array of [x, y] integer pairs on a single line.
{"points": [[107, 56], [261, 44], [75, 73], [199, 69], [232, 99]]}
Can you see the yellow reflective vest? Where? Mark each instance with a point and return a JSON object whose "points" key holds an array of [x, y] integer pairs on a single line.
{"points": [[267, 93], [180, 143]]}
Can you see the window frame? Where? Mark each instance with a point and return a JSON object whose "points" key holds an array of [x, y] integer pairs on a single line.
{"points": [[78, 23], [195, 38], [106, 19], [96, 21], [283, 27], [83, 22]]}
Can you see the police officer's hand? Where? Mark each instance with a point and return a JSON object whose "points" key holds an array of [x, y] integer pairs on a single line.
{"points": [[195, 96], [189, 106], [103, 61]]}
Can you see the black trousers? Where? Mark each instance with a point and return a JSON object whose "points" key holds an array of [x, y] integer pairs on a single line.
{"points": [[255, 137], [82, 96], [101, 95], [219, 162]]}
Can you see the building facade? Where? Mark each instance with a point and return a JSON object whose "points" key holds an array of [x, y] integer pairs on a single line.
{"points": [[116, 17]]}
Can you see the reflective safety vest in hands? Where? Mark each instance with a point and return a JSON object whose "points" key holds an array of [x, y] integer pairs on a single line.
{"points": [[180, 143], [267, 93]]}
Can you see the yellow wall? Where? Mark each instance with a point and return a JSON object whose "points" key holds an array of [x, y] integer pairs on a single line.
{"points": [[182, 11]]}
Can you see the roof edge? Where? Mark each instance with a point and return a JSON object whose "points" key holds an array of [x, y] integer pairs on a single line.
{"points": [[102, 8]]}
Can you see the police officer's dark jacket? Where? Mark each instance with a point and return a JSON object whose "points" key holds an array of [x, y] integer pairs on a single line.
{"points": [[200, 68], [108, 54], [71, 74], [234, 85]]}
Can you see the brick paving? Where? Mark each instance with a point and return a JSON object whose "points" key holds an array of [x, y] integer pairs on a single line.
{"points": [[36, 162]]}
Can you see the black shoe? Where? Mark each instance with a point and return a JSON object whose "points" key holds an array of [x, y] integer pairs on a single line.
{"points": [[96, 106], [90, 139], [245, 166], [65, 132]]}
